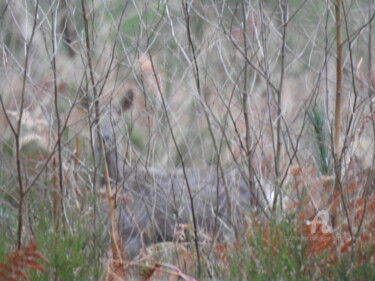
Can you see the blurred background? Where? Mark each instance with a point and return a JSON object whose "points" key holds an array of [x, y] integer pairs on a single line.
{"points": [[235, 84]]}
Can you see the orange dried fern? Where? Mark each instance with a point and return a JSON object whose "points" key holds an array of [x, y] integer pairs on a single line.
{"points": [[17, 261], [332, 244], [354, 213]]}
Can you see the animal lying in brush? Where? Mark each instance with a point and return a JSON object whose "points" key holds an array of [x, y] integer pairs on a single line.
{"points": [[158, 205]]}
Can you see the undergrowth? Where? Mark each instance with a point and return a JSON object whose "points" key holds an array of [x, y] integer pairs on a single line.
{"points": [[281, 251], [75, 252]]}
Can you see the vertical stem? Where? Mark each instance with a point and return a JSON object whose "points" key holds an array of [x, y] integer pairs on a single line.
{"points": [[20, 203], [117, 249], [284, 19], [336, 140], [56, 101], [17, 134], [76, 157], [197, 81], [55, 195], [369, 68], [96, 108], [246, 111]]}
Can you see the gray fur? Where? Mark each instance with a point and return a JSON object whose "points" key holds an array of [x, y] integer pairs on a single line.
{"points": [[154, 203], [157, 202]]}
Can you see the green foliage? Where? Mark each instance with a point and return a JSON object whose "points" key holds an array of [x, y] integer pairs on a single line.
{"points": [[67, 261], [139, 20], [272, 253], [7, 149], [345, 270], [317, 120], [135, 138], [70, 254], [277, 251], [3, 247]]}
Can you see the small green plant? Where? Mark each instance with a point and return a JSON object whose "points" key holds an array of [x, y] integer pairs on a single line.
{"points": [[317, 120], [272, 252], [288, 250], [71, 254]]}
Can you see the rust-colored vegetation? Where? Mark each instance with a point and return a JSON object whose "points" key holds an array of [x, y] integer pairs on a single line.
{"points": [[20, 261]]}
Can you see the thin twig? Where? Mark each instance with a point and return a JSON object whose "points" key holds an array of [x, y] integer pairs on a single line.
{"points": [[117, 250], [245, 109], [284, 19], [56, 103], [337, 132], [17, 133]]}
